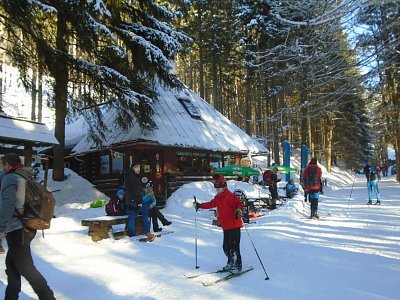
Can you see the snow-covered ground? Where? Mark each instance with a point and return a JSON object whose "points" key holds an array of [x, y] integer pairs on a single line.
{"points": [[352, 252]]}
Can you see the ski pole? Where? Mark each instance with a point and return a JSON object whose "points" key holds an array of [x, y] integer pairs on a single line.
{"points": [[351, 192], [254, 247], [195, 226]]}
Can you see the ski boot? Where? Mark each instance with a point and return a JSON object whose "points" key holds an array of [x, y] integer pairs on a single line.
{"points": [[237, 267], [369, 202], [378, 202], [228, 267]]}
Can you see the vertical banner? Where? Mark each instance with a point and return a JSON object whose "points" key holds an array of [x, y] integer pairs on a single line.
{"points": [[287, 158], [304, 157]]}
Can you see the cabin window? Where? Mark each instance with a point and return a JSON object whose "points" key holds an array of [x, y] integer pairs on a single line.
{"points": [[105, 164], [189, 106], [117, 164], [200, 163], [215, 161], [184, 161], [229, 160]]}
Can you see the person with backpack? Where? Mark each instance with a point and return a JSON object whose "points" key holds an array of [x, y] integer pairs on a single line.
{"points": [[19, 261], [134, 201], [116, 205], [372, 183], [1, 240], [312, 182], [230, 210], [155, 213]]}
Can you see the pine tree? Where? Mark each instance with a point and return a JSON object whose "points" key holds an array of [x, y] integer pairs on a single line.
{"points": [[115, 51]]}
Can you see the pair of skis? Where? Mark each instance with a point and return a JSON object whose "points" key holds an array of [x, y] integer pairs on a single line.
{"points": [[149, 238], [225, 278]]}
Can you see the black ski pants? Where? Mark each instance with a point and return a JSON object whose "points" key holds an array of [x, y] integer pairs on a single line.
{"points": [[19, 263], [231, 245]]}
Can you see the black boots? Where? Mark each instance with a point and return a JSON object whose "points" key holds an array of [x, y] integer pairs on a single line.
{"points": [[156, 214], [314, 215]]}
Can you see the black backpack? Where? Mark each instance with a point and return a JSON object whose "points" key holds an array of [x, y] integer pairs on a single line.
{"points": [[39, 203], [311, 179], [115, 207], [372, 174]]}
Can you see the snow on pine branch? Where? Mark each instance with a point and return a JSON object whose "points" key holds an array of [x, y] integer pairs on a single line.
{"points": [[99, 28], [99, 7], [152, 52], [112, 79], [171, 43], [182, 37], [43, 7], [337, 11]]}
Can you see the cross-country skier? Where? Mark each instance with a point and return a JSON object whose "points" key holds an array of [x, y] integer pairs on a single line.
{"points": [[229, 213], [372, 183], [312, 181]]}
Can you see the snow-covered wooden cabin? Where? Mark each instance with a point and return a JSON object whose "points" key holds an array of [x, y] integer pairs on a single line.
{"points": [[21, 136], [191, 139]]}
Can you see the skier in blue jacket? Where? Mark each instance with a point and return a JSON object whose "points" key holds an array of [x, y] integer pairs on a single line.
{"points": [[372, 183]]}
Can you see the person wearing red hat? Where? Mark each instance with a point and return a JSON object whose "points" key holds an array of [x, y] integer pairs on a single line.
{"points": [[229, 209]]}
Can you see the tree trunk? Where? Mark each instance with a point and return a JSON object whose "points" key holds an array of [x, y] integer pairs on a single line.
{"points": [[191, 70], [248, 102], [275, 129], [304, 113], [33, 94], [328, 144], [201, 54], [40, 93], [214, 76], [1, 82], [60, 93]]}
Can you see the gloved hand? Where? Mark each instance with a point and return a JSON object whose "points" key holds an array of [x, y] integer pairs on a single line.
{"points": [[279, 180], [239, 212], [196, 205]]}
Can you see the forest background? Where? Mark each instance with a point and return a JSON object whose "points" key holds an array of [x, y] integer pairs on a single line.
{"points": [[322, 73]]}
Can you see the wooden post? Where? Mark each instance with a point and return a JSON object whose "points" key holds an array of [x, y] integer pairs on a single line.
{"points": [[46, 170], [28, 154]]}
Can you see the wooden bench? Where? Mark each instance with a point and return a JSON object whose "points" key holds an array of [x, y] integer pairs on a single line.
{"points": [[101, 227]]}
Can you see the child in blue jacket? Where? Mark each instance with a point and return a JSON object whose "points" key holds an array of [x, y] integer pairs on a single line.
{"points": [[154, 212]]}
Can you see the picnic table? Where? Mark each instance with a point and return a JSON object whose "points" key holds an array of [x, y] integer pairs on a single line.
{"points": [[102, 227]]}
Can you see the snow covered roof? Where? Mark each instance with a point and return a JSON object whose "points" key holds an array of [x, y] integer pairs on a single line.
{"points": [[15, 131], [183, 120]]}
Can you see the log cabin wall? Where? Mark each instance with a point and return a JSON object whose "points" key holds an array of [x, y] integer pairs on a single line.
{"points": [[168, 168]]}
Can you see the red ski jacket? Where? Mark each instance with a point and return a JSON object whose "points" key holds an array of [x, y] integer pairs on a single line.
{"points": [[226, 204]]}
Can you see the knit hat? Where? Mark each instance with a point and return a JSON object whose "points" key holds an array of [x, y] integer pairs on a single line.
{"points": [[120, 192], [11, 158], [217, 176], [220, 182], [135, 164], [313, 161], [149, 184]]}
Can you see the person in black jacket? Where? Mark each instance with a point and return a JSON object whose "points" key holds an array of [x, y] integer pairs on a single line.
{"points": [[133, 200], [273, 189]]}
